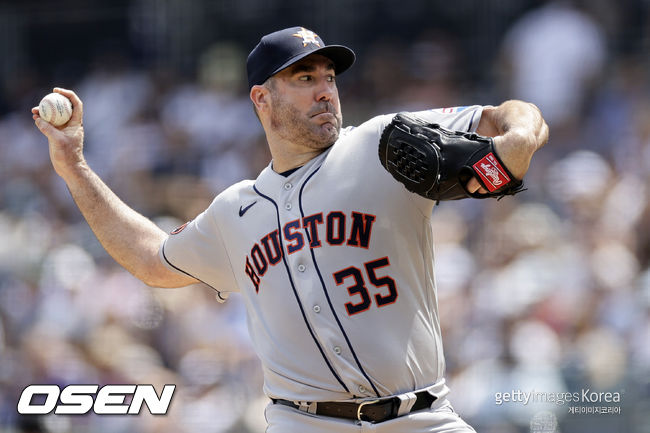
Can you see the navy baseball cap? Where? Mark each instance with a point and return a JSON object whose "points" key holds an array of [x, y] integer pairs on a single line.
{"points": [[281, 49]]}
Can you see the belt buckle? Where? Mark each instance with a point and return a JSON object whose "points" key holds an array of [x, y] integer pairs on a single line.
{"points": [[305, 406], [361, 405]]}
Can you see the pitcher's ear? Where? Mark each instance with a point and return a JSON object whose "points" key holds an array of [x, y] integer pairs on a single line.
{"points": [[260, 96]]}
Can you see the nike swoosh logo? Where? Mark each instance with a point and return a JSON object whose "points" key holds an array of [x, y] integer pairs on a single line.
{"points": [[243, 211]]}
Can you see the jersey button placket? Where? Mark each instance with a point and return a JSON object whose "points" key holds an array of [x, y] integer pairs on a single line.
{"points": [[287, 197]]}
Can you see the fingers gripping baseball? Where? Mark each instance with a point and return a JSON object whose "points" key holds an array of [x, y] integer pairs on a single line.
{"points": [[65, 141]]}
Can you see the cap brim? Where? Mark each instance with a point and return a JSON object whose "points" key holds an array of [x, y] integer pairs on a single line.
{"points": [[342, 56]]}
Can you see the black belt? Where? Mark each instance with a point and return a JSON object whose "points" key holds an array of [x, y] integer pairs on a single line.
{"points": [[374, 410]]}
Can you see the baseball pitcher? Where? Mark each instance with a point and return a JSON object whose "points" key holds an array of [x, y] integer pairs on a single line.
{"points": [[331, 246]]}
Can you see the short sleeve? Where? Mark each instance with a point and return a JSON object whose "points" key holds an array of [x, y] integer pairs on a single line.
{"points": [[197, 249], [455, 118]]}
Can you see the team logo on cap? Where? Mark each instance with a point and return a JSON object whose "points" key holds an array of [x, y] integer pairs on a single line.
{"points": [[308, 37]]}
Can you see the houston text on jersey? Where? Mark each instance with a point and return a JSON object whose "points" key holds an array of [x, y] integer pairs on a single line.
{"points": [[268, 251]]}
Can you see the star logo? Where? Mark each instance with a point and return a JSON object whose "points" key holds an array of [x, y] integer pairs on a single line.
{"points": [[308, 37]]}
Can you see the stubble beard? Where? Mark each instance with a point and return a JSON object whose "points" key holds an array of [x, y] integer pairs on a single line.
{"points": [[293, 126]]}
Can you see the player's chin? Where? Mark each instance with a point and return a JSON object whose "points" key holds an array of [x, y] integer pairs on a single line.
{"points": [[329, 132], [322, 139], [329, 127], [329, 123]]}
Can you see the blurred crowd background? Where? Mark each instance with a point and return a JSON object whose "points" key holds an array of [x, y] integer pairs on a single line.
{"points": [[548, 291]]}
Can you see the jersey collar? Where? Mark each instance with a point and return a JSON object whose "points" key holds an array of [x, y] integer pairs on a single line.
{"points": [[272, 184]]}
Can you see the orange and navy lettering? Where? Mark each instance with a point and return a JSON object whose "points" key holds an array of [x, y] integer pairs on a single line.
{"points": [[268, 251]]}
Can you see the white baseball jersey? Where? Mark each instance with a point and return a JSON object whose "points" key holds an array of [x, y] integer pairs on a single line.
{"points": [[335, 264]]}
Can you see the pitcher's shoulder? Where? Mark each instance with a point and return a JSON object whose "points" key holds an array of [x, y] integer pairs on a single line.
{"points": [[235, 193]]}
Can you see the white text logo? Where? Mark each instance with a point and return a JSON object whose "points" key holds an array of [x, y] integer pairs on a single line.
{"points": [[81, 399]]}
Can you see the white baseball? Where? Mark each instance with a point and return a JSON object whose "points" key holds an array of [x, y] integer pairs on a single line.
{"points": [[55, 108]]}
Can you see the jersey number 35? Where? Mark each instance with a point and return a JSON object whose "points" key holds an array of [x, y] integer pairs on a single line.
{"points": [[358, 288]]}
